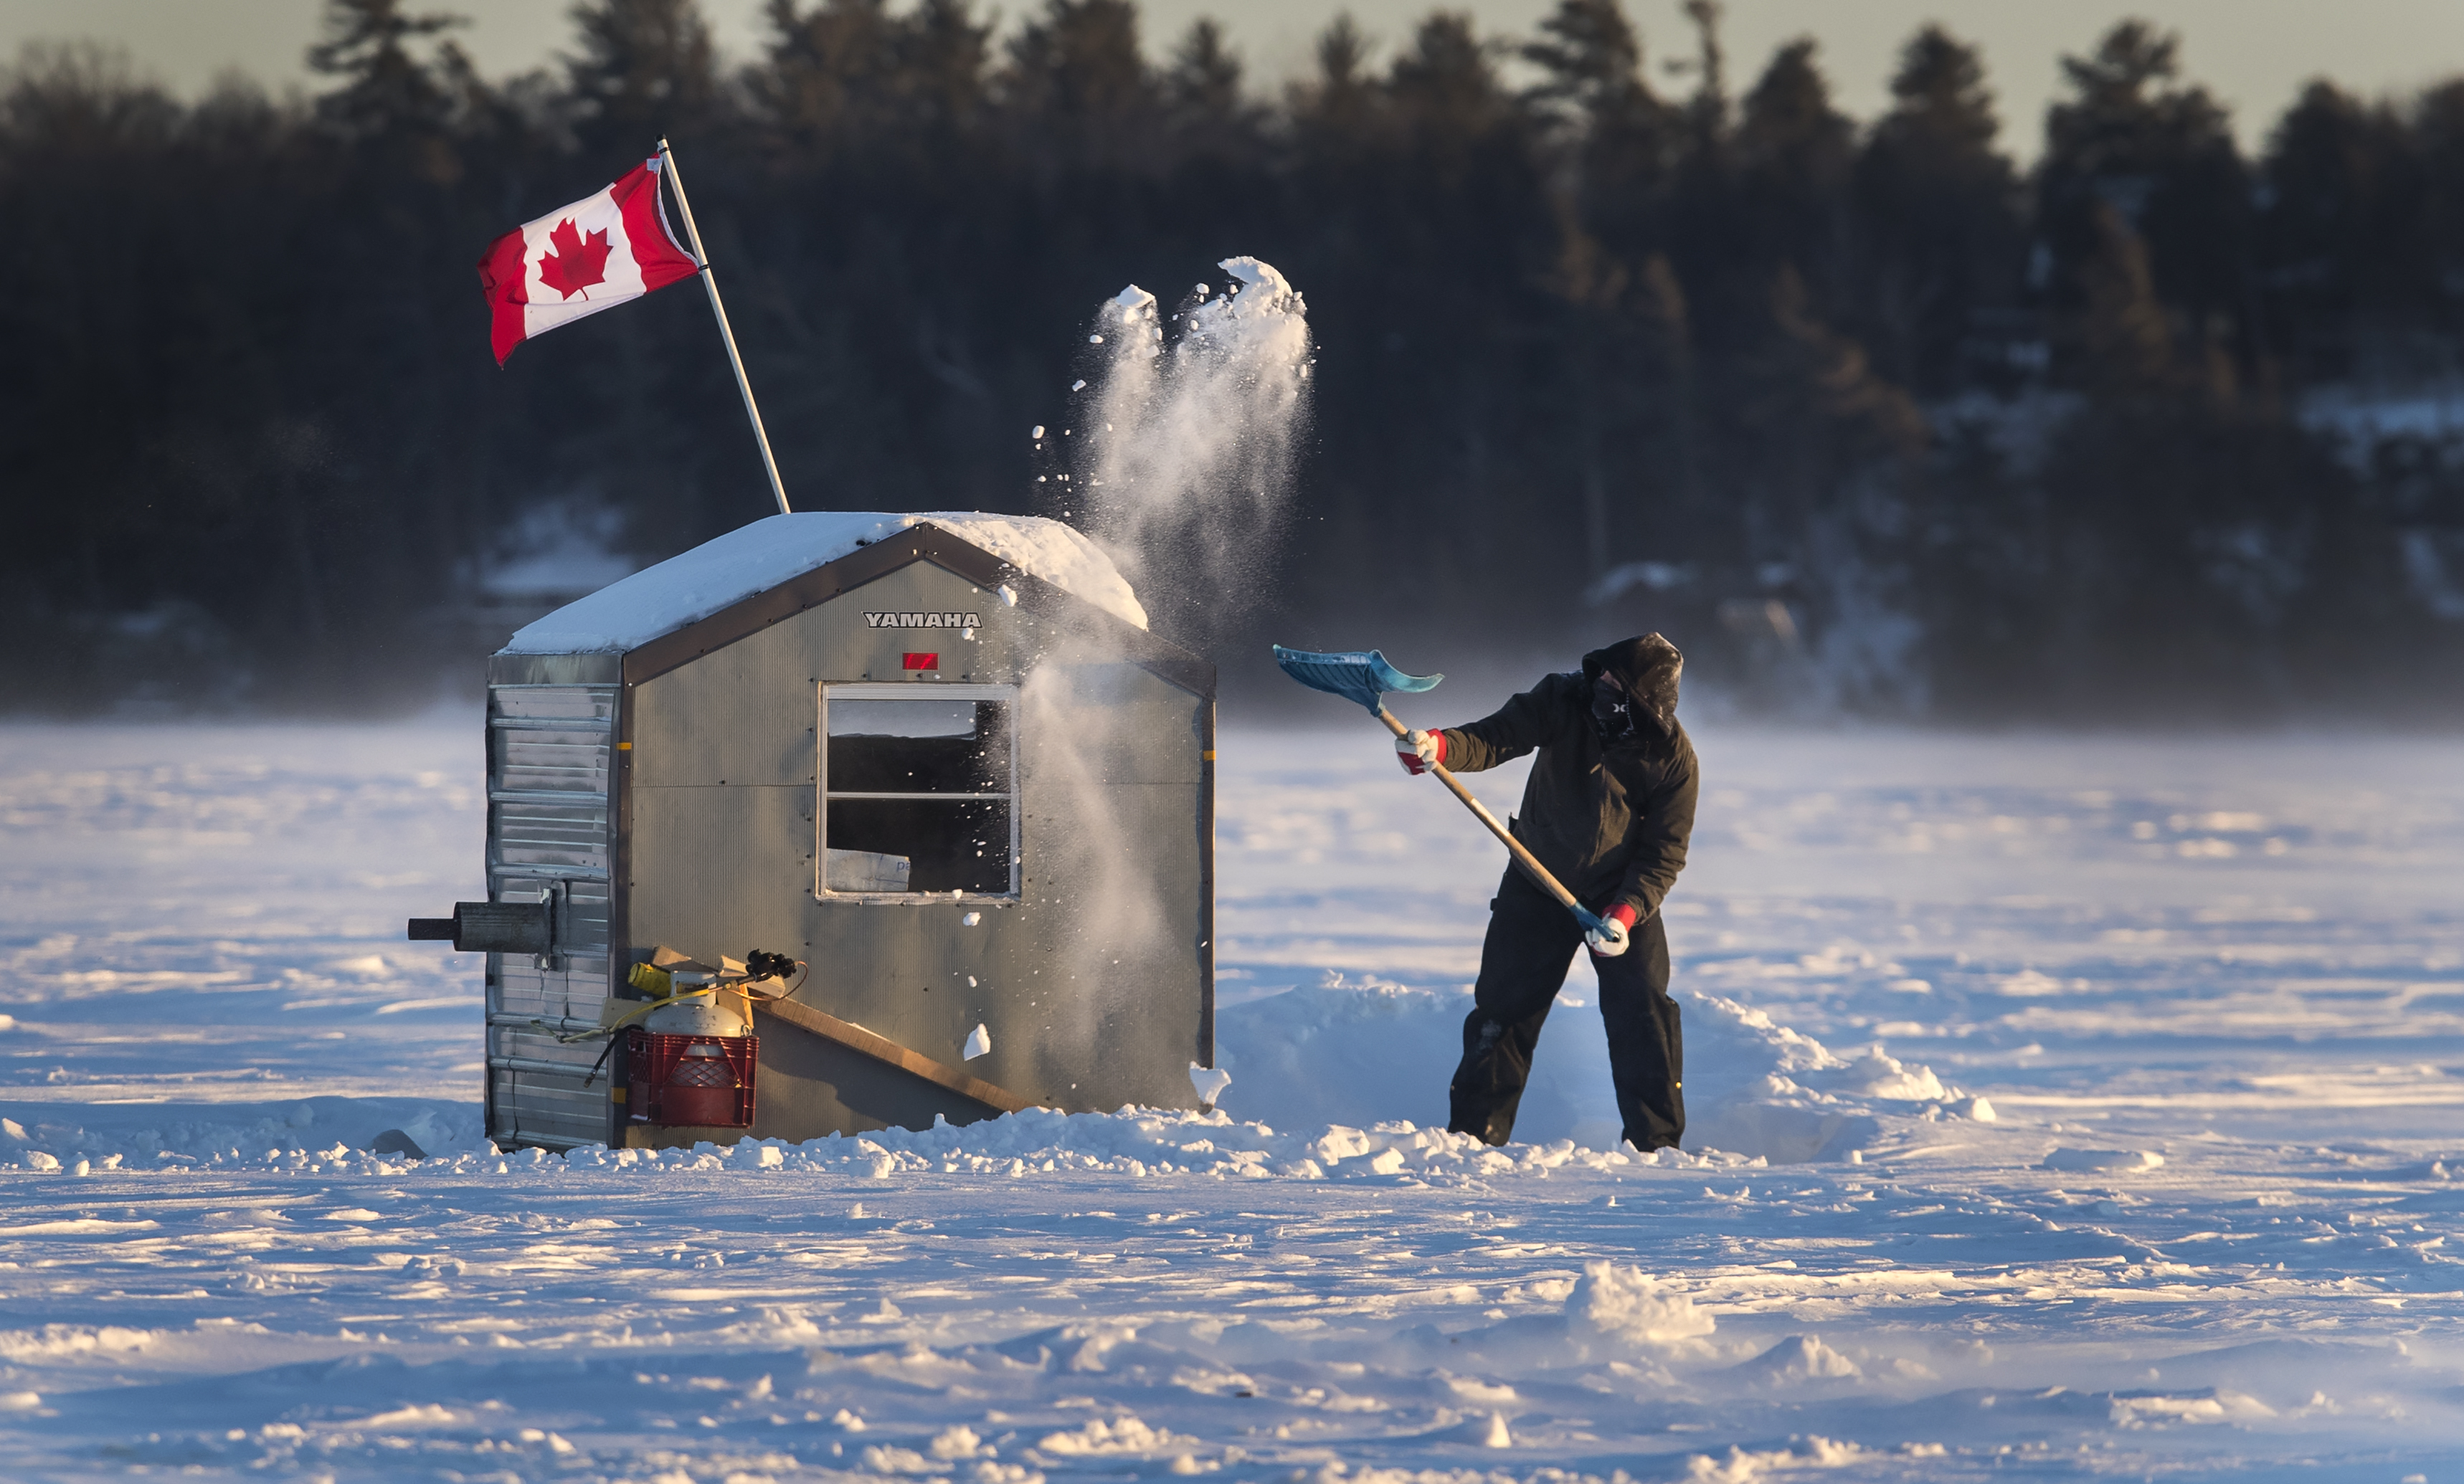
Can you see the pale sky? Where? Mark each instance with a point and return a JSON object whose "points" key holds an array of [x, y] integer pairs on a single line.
{"points": [[2254, 54]]}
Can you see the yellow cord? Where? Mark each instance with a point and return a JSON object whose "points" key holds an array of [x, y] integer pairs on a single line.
{"points": [[631, 1015]]}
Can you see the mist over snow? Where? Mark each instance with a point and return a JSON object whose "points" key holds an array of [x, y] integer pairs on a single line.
{"points": [[2091, 1105]]}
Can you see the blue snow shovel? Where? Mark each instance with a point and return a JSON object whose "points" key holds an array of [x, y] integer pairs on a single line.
{"points": [[1365, 677]]}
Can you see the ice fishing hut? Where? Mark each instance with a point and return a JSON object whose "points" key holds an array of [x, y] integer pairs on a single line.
{"points": [[937, 757]]}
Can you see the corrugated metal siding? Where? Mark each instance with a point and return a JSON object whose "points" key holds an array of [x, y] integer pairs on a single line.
{"points": [[550, 754], [564, 838]]}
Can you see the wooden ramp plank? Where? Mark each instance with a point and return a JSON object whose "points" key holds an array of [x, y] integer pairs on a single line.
{"points": [[881, 1048]]}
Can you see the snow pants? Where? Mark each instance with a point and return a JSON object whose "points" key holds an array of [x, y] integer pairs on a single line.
{"points": [[1530, 944]]}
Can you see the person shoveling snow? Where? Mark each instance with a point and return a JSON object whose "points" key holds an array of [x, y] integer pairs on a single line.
{"points": [[1598, 845]]}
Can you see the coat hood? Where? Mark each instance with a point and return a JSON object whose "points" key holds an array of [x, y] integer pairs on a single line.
{"points": [[1648, 667]]}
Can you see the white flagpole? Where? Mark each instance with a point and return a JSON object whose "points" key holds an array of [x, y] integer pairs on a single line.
{"points": [[667, 162]]}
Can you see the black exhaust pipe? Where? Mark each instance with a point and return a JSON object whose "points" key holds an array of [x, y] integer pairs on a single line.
{"points": [[490, 927]]}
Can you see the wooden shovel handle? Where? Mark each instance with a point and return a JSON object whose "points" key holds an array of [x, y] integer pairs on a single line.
{"points": [[1523, 856]]}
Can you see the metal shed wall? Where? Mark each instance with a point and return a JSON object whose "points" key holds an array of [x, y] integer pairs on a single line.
{"points": [[1095, 981]]}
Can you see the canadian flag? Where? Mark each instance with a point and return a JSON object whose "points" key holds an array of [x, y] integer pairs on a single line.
{"points": [[594, 255]]}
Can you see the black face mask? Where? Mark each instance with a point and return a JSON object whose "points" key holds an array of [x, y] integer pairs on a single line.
{"points": [[1612, 715]]}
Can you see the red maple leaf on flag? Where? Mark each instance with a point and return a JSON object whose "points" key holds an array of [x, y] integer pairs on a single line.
{"points": [[573, 262]]}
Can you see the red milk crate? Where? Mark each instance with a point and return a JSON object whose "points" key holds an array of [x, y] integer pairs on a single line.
{"points": [[689, 1080]]}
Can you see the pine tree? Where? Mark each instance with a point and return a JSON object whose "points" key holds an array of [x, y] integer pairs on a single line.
{"points": [[2161, 155], [2344, 235], [1795, 151], [385, 89], [943, 59], [646, 69], [2124, 328], [1621, 139], [826, 85], [1203, 93], [1077, 81], [1444, 86], [1938, 224], [2437, 133]]}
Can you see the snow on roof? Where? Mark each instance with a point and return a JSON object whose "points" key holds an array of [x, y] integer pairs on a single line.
{"points": [[695, 584]]}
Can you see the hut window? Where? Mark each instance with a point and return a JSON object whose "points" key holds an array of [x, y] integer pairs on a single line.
{"points": [[919, 789]]}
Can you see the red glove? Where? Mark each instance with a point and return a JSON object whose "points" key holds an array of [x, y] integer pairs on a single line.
{"points": [[1417, 751], [1613, 937]]}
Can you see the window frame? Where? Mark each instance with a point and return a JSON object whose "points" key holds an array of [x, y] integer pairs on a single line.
{"points": [[914, 691]]}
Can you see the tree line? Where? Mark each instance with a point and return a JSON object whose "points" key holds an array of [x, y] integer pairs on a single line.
{"points": [[1860, 412]]}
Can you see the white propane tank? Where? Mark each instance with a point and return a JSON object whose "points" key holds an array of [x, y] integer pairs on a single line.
{"points": [[699, 1014]]}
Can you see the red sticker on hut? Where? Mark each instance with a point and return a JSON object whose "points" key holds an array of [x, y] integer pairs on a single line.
{"points": [[919, 662]]}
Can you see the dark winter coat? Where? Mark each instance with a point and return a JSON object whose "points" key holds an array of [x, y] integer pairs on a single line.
{"points": [[1610, 824]]}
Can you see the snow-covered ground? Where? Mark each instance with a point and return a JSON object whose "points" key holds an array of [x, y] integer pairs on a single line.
{"points": [[2211, 991]]}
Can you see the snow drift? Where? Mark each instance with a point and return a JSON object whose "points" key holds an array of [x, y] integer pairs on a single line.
{"points": [[1352, 1050]]}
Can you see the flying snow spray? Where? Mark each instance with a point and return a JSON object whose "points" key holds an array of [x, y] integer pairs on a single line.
{"points": [[1186, 452]]}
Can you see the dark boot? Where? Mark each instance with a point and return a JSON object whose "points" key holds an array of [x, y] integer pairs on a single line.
{"points": [[1531, 943]]}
